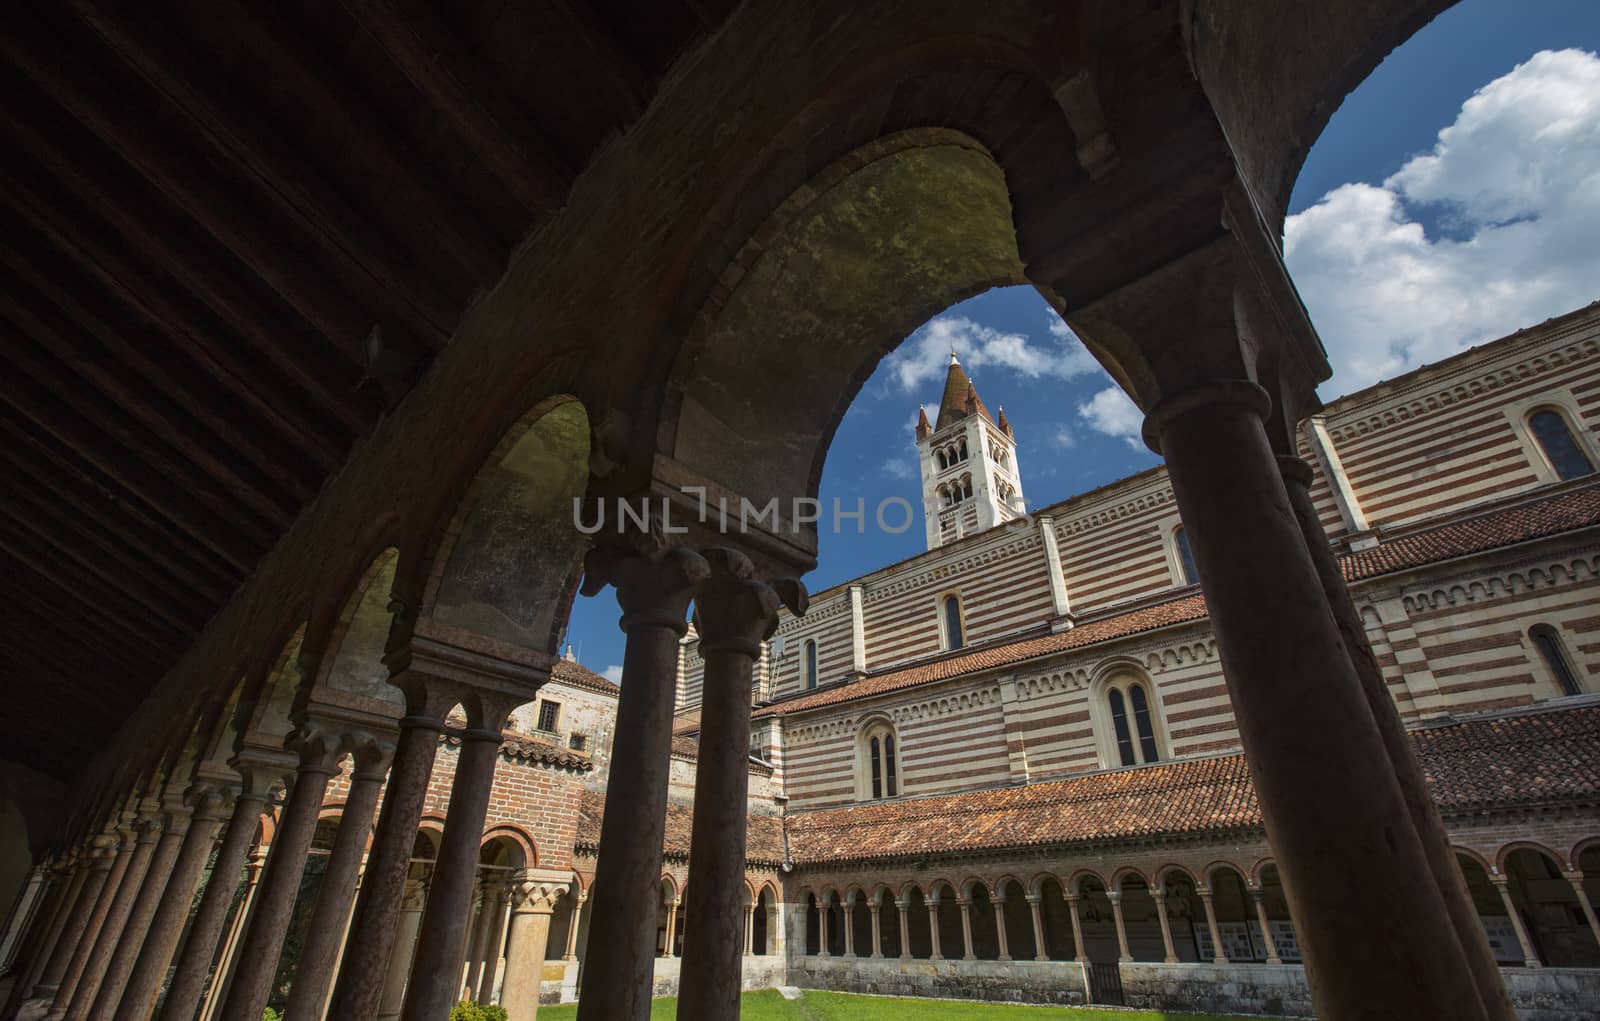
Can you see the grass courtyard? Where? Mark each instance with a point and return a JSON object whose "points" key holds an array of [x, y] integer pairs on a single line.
{"points": [[769, 1005]]}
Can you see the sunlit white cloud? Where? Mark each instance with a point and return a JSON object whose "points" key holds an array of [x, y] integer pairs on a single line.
{"points": [[613, 673], [1514, 185], [1112, 413], [901, 468], [1064, 438], [925, 356]]}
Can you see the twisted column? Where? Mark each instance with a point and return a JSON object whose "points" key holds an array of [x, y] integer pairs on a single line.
{"points": [[262, 943], [320, 954], [654, 592], [76, 996], [533, 898], [207, 803]]}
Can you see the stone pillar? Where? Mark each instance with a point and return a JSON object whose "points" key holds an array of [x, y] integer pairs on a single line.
{"points": [[362, 972], [572, 929], [200, 946], [136, 930], [96, 890], [1040, 951], [256, 956], [1115, 897], [1000, 928], [654, 593], [1160, 897], [76, 996], [207, 802], [1078, 952], [749, 929], [67, 878], [1327, 790], [320, 954], [405, 942], [1576, 879], [849, 906], [965, 905], [533, 898], [1425, 820], [873, 907], [499, 897], [1220, 955], [822, 929], [478, 942], [1530, 956], [22, 911], [933, 931], [1257, 895], [229, 957], [436, 970], [905, 928]]}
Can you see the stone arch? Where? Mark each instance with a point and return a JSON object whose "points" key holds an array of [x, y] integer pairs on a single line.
{"points": [[1123, 873], [1507, 850], [505, 564], [1166, 872], [512, 838], [1580, 848], [1254, 875], [269, 708], [345, 648], [1074, 880]]}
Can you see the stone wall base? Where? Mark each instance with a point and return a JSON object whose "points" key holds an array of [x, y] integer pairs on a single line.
{"points": [[764, 972]]}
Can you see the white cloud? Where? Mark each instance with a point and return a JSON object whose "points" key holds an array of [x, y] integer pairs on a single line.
{"points": [[1064, 438], [1515, 184], [900, 468], [1112, 412], [925, 355], [613, 673]]}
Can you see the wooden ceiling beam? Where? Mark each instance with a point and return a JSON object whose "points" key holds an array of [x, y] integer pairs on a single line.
{"points": [[487, 121], [138, 429], [109, 115], [190, 440], [57, 608], [73, 663], [622, 76], [94, 498], [153, 487]]}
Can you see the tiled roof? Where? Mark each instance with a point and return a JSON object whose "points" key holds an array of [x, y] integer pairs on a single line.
{"points": [[763, 845], [577, 675], [1561, 512], [1519, 759], [1552, 515], [532, 749]]}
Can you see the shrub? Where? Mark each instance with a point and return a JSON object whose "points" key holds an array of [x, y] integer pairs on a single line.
{"points": [[467, 1010], [271, 1015]]}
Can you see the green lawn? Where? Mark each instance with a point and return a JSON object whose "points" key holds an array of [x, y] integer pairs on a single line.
{"points": [[768, 1005]]}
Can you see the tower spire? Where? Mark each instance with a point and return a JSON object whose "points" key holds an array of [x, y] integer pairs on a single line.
{"points": [[960, 397]]}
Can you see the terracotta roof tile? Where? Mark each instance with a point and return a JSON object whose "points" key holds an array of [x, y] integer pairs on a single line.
{"points": [[1514, 760], [577, 675], [763, 844]]}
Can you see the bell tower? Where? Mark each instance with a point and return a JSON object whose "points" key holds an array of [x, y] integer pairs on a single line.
{"points": [[969, 467]]}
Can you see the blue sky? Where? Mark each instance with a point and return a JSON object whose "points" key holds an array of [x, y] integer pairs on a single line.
{"points": [[1454, 197]]}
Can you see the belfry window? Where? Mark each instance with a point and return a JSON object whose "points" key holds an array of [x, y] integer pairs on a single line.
{"points": [[1548, 642], [1560, 446], [880, 766], [1133, 727], [1180, 544], [950, 613], [808, 665]]}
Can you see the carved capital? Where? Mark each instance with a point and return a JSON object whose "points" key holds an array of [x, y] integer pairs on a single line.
{"points": [[735, 610], [653, 589], [535, 896]]}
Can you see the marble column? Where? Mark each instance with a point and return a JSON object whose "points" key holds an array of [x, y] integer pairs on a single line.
{"points": [[66, 882], [207, 802], [874, 906], [1444, 868], [1160, 898], [1000, 928], [905, 928], [967, 953], [1257, 895], [498, 896], [850, 928], [405, 943], [654, 593], [262, 943], [320, 955], [822, 929], [1041, 952], [1220, 956], [176, 821], [478, 938], [572, 929], [76, 996], [1115, 896], [1079, 954], [672, 929], [109, 857], [749, 929], [362, 971], [22, 911], [933, 931], [1322, 775], [1575, 878], [533, 898], [1530, 956], [217, 990], [200, 946], [441, 946]]}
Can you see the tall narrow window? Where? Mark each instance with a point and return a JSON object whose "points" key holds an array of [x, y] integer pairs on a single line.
{"points": [[549, 715], [1119, 723], [953, 637], [1180, 541], [888, 766], [875, 752], [1141, 723], [1560, 447], [878, 772], [1548, 643], [808, 665]]}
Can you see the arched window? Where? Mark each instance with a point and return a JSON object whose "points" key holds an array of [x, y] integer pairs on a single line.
{"points": [[950, 614], [938, 456], [966, 487], [1180, 543], [1561, 448], [1133, 726], [879, 774], [1548, 642], [808, 665], [961, 450]]}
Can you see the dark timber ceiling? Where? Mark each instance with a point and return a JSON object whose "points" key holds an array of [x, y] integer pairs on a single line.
{"points": [[206, 207]]}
